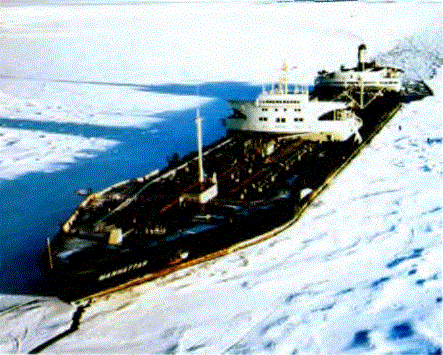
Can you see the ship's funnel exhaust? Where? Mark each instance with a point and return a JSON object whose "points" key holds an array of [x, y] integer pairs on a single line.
{"points": [[362, 57]]}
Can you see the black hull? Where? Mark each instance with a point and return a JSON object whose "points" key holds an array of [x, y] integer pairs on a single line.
{"points": [[106, 267]]}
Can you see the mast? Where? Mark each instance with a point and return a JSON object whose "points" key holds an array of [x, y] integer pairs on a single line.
{"points": [[198, 123], [361, 84], [202, 192], [284, 79], [51, 264]]}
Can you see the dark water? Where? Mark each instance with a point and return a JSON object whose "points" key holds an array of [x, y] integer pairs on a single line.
{"points": [[33, 206]]}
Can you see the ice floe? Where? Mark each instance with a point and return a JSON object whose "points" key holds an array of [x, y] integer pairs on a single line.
{"points": [[24, 151]]}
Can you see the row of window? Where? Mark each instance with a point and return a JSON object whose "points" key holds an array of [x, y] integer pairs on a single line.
{"points": [[281, 119], [281, 101], [285, 109], [383, 82]]}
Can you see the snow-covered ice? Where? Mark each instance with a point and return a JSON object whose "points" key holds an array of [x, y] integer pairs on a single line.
{"points": [[171, 42], [28, 321], [359, 273], [23, 151]]}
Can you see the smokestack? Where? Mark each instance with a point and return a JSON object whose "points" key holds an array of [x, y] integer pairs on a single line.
{"points": [[362, 60]]}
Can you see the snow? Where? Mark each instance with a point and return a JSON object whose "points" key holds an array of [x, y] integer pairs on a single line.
{"points": [[28, 321], [209, 42], [359, 273]]}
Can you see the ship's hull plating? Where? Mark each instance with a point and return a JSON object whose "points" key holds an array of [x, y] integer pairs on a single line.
{"points": [[103, 267]]}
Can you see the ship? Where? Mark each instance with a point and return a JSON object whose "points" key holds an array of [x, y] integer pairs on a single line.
{"points": [[277, 153], [366, 74]]}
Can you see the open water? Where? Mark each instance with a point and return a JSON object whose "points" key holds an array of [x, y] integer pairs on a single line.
{"points": [[33, 206]]}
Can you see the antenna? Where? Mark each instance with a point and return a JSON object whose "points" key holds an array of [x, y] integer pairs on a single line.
{"points": [[283, 85]]}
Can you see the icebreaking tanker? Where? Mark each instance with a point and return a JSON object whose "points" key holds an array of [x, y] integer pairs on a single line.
{"points": [[278, 150]]}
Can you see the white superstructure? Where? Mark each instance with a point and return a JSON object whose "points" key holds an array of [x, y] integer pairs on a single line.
{"points": [[368, 75], [292, 113]]}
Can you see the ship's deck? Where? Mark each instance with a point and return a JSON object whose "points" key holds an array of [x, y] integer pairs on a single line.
{"points": [[244, 173]]}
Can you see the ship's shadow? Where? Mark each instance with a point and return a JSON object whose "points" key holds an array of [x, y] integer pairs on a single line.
{"points": [[229, 90]]}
